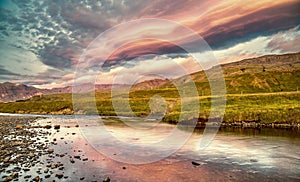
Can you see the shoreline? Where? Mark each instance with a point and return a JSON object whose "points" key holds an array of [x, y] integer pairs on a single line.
{"points": [[201, 123], [62, 153]]}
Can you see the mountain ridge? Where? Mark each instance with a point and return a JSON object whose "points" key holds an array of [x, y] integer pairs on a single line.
{"points": [[269, 73]]}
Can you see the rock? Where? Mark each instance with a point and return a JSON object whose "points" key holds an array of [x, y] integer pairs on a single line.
{"points": [[53, 166], [57, 127], [6, 160], [59, 176], [77, 157], [27, 176], [77, 126], [50, 151], [37, 178], [26, 169], [85, 159], [47, 176], [253, 160], [82, 178], [124, 167], [9, 178], [48, 126], [195, 163], [61, 168], [73, 133], [31, 154], [107, 179], [46, 170], [72, 161], [19, 126]]}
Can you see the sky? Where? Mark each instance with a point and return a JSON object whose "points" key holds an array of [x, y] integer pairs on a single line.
{"points": [[42, 42]]}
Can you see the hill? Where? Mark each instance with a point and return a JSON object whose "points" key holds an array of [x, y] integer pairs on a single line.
{"points": [[260, 90], [271, 73]]}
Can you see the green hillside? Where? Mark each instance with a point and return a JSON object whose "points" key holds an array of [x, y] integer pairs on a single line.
{"points": [[258, 90]]}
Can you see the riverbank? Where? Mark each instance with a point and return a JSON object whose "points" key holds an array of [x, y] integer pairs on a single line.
{"points": [[264, 109], [29, 152], [53, 148]]}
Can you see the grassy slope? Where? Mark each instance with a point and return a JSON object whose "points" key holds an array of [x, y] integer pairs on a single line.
{"points": [[247, 83]]}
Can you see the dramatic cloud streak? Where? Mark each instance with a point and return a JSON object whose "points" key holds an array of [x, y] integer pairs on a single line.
{"points": [[43, 40]]}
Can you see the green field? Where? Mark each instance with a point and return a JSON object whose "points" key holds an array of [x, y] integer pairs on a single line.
{"points": [[282, 107], [258, 90]]}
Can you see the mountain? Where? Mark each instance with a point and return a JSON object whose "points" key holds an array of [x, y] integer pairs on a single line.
{"points": [[10, 92], [150, 84], [271, 73]]}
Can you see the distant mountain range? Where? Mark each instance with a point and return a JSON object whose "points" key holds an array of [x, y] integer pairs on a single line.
{"points": [[271, 73], [10, 92]]}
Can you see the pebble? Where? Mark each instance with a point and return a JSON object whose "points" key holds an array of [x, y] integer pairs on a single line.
{"points": [[19, 126], [37, 178], [59, 176], [107, 179], [53, 166], [50, 151], [195, 163], [48, 126]]}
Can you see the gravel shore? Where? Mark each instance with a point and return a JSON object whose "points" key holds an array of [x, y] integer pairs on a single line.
{"points": [[40, 149]]}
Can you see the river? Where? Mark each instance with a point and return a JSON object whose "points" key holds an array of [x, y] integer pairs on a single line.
{"points": [[234, 154]]}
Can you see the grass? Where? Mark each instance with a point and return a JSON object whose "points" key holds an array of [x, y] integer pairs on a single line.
{"points": [[260, 107], [258, 91]]}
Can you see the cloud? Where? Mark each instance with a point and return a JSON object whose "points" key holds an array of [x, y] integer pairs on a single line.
{"points": [[46, 38], [286, 41], [278, 43], [163, 67], [5, 72]]}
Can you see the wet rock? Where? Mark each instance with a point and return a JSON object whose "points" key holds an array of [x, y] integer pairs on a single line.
{"points": [[37, 178], [9, 178], [77, 157], [48, 126], [53, 166], [61, 168], [6, 160], [253, 160], [196, 163], [50, 151], [27, 176], [59, 176], [107, 179], [47, 176], [19, 126]]}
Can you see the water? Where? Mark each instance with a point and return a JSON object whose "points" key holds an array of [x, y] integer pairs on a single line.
{"points": [[235, 154]]}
